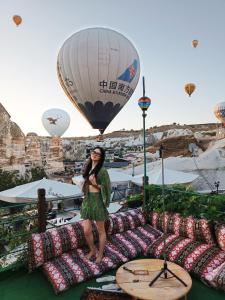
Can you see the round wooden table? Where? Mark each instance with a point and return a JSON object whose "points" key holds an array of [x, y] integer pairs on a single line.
{"points": [[138, 285]]}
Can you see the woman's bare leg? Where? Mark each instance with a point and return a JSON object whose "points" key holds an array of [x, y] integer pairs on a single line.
{"points": [[102, 239], [89, 238]]}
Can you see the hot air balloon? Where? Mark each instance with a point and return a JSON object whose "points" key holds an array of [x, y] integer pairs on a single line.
{"points": [[17, 20], [98, 69], [219, 111], [194, 43], [55, 121], [189, 88]]}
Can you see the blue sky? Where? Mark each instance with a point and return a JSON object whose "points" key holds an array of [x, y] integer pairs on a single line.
{"points": [[161, 30]]}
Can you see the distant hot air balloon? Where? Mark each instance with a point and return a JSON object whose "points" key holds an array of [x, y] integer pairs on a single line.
{"points": [[219, 111], [189, 88], [55, 121], [194, 43], [98, 69], [17, 20]]}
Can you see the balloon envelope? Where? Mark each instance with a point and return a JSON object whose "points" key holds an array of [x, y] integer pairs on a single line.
{"points": [[17, 20], [55, 121], [98, 69], [194, 43], [219, 111], [189, 88]]}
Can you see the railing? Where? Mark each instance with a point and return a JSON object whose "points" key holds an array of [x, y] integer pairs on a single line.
{"points": [[18, 221]]}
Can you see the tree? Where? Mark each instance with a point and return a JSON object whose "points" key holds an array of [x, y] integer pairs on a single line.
{"points": [[10, 179], [37, 174]]}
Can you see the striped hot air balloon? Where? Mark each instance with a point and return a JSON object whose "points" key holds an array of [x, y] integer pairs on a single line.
{"points": [[189, 88], [98, 69]]}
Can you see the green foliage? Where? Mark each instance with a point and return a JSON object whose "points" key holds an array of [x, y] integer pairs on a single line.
{"points": [[184, 201], [10, 179], [133, 201], [136, 197], [37, 173]]}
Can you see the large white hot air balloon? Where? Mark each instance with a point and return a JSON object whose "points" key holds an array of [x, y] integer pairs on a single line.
{"points": [[98, 69], [55, 121]]}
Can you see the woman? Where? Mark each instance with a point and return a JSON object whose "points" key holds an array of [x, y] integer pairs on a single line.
{"points": [[97, 191]]}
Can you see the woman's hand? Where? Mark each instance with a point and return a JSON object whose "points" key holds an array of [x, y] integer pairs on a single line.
{"points": [[92, 179]]}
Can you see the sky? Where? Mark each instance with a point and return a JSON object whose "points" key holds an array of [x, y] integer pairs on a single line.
{"points": [[160, 30]]}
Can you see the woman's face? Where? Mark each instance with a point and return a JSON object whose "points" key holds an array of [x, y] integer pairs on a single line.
{"points": [[96, 155]]}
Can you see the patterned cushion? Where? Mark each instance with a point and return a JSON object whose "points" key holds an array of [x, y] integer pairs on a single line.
{"points": [[135, 242], [216, 278], [166, 222], [124, 221], [54, 242], [194, 256], [73, 267], [220, 235], [199, 230]]}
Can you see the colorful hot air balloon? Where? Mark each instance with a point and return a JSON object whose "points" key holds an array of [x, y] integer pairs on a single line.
{"points": [[55, 121], [219, 111], [194, 43], [17, 20], [189, 88], [98, 69]]}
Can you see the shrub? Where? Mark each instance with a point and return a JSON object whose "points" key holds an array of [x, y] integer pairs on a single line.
{"points": [[186, 202]]}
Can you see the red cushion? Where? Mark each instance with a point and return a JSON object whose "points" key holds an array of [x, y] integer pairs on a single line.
{"points": [[73, 267], [216, 278], [220, 235]]}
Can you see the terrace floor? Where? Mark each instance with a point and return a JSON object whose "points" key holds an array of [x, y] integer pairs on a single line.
{"points": [[21, 285]]}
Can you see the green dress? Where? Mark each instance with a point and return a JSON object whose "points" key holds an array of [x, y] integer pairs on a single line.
{"points": [[94, 206]]}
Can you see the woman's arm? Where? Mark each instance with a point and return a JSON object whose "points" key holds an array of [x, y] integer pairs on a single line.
{"points": [[105, 186]]}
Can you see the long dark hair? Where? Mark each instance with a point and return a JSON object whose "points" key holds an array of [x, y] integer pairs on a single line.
{"points": [[87, 168]]}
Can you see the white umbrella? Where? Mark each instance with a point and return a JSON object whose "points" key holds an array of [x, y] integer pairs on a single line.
{"points": [[115, 177], [28, 192], [170, 177]]}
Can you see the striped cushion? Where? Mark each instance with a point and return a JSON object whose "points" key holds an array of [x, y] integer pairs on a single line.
{"points": [[216, 278], [124, 221], [194, 256], [135, 242], [166, 222], [54, 242], [220, 235], [195, 229], [73, 267]]}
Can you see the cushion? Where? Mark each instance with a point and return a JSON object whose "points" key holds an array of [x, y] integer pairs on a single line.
{"points": [[196, 257], [216, 278], [166, 221], [220, 235], [73, 267], [99, 294], [195, 229], [124, 221], [135, 242], [54, 242]]}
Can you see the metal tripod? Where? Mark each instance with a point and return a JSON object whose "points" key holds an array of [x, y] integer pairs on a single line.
{"points": [[165, 270]]}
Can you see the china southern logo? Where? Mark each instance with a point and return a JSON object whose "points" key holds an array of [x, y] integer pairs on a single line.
{"points": [[129, 74]]}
